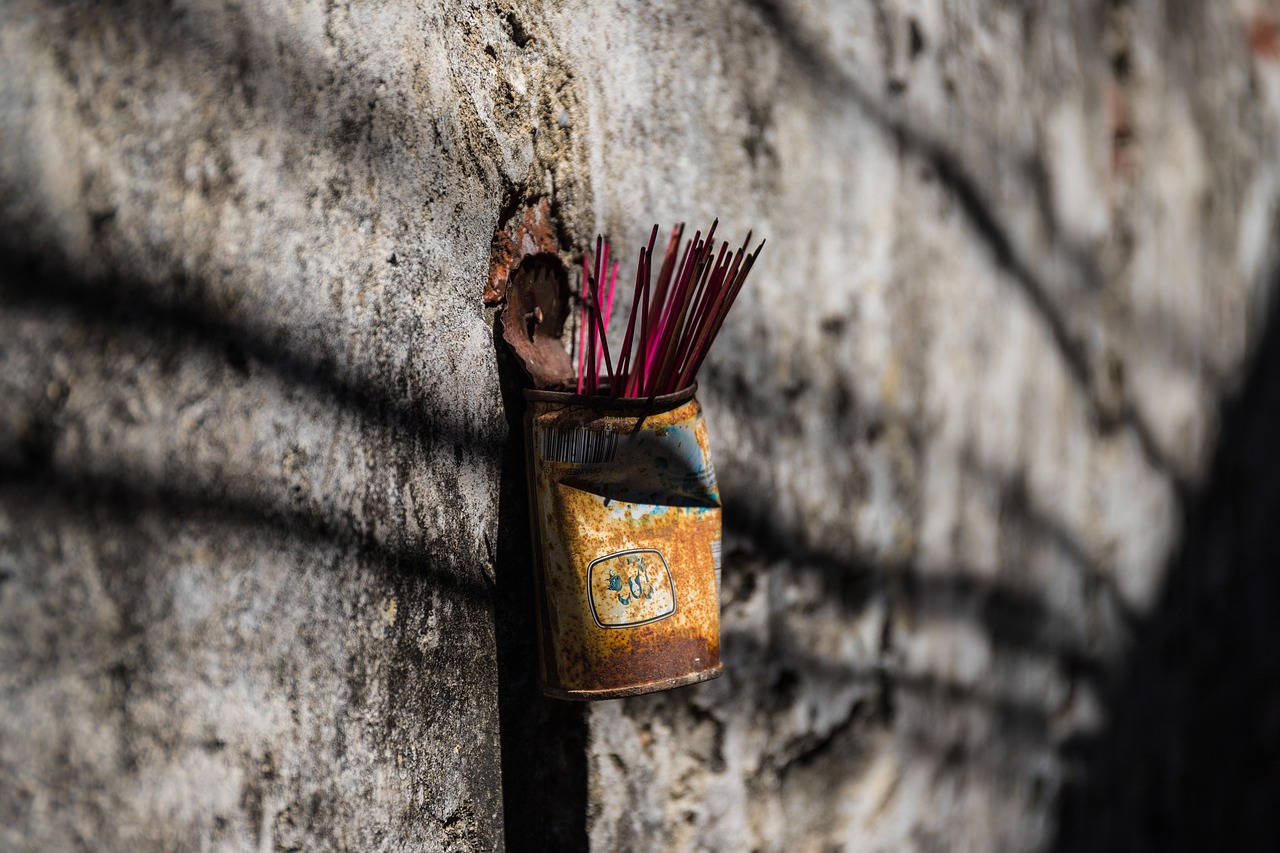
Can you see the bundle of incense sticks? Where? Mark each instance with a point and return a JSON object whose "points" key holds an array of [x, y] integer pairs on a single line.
{"points": [[673, 321]]}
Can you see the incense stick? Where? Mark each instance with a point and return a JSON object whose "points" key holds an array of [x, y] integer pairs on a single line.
{"points": [[674, 318]]}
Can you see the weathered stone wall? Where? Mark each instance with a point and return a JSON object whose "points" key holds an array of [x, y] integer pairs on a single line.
{"points": [[263, 581]]}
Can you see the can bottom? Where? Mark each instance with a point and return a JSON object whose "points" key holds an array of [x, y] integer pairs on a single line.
{"points": [[634, 689]]}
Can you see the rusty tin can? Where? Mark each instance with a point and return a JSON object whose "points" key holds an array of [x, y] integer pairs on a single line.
{"points": [[626, 537]]}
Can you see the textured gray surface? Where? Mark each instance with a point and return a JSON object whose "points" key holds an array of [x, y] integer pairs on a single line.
{"points": [[259, 534]]}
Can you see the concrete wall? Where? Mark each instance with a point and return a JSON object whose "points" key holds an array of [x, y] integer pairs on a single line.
{"points": [[263, 573]]}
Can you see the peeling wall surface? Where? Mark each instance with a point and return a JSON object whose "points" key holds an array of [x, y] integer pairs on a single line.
{"points": [[264, 572]]}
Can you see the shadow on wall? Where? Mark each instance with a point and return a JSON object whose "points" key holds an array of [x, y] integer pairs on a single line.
{"points": [[542, 741], [987, 224], [543, 758], [1190, 757]]}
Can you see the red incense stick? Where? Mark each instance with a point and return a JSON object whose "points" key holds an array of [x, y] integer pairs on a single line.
{"points": [[674, 318]]}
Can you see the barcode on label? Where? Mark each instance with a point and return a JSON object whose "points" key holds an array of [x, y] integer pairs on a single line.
{"points": [[715, 559], [579, 446]]}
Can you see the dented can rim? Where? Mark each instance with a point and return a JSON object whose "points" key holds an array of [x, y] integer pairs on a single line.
{"points": [[628, 405]]}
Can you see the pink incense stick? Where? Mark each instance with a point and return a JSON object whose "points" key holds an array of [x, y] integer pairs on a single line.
{"points": [[674, 317]]}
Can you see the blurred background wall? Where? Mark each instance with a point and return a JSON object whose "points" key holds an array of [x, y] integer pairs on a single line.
{"points": [[998, 483]]}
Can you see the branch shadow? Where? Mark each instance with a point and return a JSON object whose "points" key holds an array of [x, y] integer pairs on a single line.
{"points": [[119, 306], [1016, 718], [109, 496], [119, 310], [1013, 619], [543, 742], [330, 104], [827, 75], [273, 78]]}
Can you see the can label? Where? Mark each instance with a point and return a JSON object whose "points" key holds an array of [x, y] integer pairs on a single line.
{"points": [[631, 588]]}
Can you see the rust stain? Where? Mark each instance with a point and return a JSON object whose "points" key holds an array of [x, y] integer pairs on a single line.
{"points": [[651, 622], [1121, 129], [1264, 37], [528, 278], [531, 232]]}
